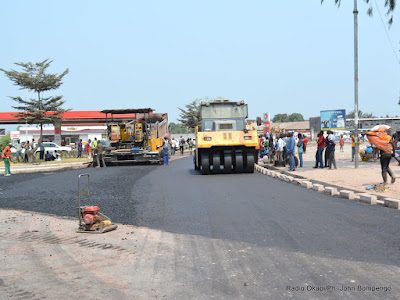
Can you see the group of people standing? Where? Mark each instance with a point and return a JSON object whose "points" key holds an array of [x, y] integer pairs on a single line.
{"points": [[93, 149], [328, 145], [283, 148]]}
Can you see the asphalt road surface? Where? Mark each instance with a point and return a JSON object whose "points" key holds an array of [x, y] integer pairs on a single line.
{"points": [[232, 236]]}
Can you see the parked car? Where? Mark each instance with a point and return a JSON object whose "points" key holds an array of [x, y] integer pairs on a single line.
{"points": [[51, 147]]}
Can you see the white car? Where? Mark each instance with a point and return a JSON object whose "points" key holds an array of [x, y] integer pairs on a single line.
{"points": [[51, 147]]}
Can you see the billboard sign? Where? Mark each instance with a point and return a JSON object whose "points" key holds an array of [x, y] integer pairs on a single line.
{"points": [[267, 124], [333, 119]]}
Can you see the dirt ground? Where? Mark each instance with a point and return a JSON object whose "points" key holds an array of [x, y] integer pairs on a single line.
{"points": [[43, 258]]}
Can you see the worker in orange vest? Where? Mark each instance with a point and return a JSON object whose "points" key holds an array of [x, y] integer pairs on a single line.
{"points": [[6, 158]]}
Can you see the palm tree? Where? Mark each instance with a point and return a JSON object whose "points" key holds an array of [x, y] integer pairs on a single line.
{"points": [[390, 5]]}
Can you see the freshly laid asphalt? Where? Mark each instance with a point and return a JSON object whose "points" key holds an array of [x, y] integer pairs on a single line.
{"points": [[236, 236]]}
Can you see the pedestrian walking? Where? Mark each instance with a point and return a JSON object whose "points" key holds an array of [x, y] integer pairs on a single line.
{"points": [[165, 151], [7, 158], [173, 146], [290, 151], [320, 150], [300, 149], [18, 152], [80, 148], [385, 144], [341, 142], [181, 144]]}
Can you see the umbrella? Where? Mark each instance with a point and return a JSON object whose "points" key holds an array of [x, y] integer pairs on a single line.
{"points": [[380, 128]]}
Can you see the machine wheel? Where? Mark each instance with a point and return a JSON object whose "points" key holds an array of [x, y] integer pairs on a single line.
{"points": [[205, 163], [196, 166], [239, 162], [227, 162], [216, 162], [250, 162]]}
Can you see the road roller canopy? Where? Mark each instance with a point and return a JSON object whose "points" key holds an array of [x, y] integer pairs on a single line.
{"points": [[223, 109]]}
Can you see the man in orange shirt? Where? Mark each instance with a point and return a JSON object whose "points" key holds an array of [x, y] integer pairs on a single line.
{"points": [[6, 158]]}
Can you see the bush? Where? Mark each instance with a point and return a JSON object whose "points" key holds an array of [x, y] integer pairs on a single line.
{"points": [[4, 141]]}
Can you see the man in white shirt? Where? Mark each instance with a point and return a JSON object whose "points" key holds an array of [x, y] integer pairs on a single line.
{"points": [[281, 144], [173, 146]]}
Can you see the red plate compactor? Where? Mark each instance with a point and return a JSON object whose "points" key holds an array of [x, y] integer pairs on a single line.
{"points": [[91, 220]]}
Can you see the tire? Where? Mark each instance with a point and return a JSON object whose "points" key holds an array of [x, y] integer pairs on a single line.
{"points": [[205, 163], [196, 165], [250, 162], [227, 162], [239, 162], [216, 162]]}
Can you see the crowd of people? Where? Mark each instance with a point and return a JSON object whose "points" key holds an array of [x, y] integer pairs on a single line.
{"points": [[170, 146], [281, 150], [180, 144]]}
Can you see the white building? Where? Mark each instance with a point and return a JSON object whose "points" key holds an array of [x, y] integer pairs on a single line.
{"points": [[70, 134]]}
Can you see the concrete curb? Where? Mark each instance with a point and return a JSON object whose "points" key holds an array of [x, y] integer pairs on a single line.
{"points": [[392, 203], [318, 187], [48, 168], [59, 167], [333, 191]]}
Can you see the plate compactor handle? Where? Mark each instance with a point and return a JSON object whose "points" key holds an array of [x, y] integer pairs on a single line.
{"points": [[83, 193]]}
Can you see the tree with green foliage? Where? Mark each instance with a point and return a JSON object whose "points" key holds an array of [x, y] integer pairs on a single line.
{"points": [[4, 141], [282, 118], [390, 5], [362, 115], [296, 117], [179, 128], [40, 110], [189, 113], [192, 111]]}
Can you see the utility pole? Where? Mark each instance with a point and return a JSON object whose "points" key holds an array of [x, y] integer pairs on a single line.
{"points": [[356, 82], [26, 120]]}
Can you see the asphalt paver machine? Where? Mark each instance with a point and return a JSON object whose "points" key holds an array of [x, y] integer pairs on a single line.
{"points": [[137, 136], [91, 220]]}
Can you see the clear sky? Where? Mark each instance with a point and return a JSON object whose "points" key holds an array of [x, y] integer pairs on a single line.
{"points": [[279, 56]]}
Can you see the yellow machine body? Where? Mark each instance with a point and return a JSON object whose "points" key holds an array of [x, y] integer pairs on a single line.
{"points": [[137, 138], [227, 138], [225, 143]]}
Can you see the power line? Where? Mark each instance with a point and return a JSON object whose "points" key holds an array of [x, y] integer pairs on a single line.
{"points": [[387, 34]]}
